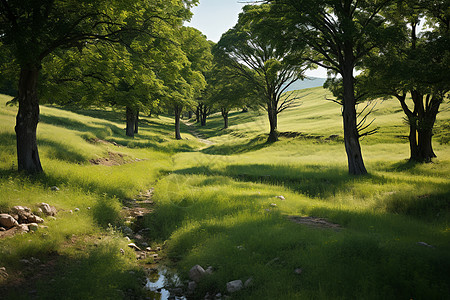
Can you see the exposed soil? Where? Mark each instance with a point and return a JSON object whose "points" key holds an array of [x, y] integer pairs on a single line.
{"points": [[314, 222], [114, 159]]}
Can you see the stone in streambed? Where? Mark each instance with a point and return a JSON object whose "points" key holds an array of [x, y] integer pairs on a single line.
{"points": [[234, 286], [196, 273]]}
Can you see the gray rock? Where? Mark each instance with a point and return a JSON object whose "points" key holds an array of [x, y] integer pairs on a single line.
{"points": [[127, 230], [35, 219], [425, 244], [281, 197], [22, 228], [7, 221], [196, 273], [298, 271], [218, 296], [33, 226], [133, 246], [54, 188], [148, 249], [2, 229], [192, 285], [248, 282], [209, 270], [16, 209], [47, 209], [234, 286], [77, 209], [3, 272]]}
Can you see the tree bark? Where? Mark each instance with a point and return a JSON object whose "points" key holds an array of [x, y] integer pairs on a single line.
{"points": [[178, 110], [197, 114], [131, 119], [190, 114], [26, 121], [273, 122], [225, 117], [136, 123], [351, 135], [203, 115]]}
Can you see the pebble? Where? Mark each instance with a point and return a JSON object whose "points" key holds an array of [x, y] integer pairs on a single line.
{"points": [[234, 286], [298, 271]]}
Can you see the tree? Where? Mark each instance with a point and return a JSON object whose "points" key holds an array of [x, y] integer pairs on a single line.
{"points": [[256, 55], [417, 64], [226, 91], [341, 33], [184, 77], [32, 30]]}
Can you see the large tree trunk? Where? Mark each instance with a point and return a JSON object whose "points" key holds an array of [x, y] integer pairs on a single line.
{"points": [[273, 122], [203, 115], [225, 117], [131, 119], [197, 114], [177, 122], [27, 120], [351, 135], [136, 123]]}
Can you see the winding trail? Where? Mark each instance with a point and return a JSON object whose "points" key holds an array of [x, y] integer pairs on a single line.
{"points": [[192, 130]]}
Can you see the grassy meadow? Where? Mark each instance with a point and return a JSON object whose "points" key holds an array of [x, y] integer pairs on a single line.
{"points": [[216, 205]]}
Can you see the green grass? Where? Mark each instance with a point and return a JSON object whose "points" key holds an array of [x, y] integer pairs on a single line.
{"points": [[214, 205]]}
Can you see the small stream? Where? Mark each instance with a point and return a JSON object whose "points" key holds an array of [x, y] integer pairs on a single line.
{"points": [[157, 282]]}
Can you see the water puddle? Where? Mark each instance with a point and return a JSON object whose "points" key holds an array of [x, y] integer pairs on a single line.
{"points": [[157, 283]]}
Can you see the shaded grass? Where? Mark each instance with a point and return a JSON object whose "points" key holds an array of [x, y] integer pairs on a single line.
{"points": [[218, 207]]}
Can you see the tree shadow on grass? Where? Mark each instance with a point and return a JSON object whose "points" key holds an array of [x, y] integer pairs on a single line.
{"points": [[99, 272], [257, 143], [265, 245], [313, 181]]}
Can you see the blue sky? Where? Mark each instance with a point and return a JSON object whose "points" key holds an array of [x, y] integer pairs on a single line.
{"points": [[215, 17]]}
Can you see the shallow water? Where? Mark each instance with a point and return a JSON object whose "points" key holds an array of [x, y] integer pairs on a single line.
{"points": [[157, 282]]}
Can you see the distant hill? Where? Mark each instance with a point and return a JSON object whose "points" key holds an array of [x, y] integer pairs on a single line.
{"points": [[310, 82]]}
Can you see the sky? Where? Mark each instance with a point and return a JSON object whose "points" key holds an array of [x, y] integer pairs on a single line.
{"points": [[215, 17]]}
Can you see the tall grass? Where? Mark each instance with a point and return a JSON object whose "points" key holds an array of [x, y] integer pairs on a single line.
{"points": [[217, 205]]}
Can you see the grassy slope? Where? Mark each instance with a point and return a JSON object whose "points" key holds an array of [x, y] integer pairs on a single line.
{"points": [[211, 202]]}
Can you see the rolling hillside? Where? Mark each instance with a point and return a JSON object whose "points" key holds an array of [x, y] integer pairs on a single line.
{"points": [[218, 203]]}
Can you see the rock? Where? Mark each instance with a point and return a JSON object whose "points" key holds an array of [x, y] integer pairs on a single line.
{"points": [[52, 218], [127, 230], [54, 188], [154, 256], [196, 273], [7, 221], [22, 228], [281, 197], [144, 244], [273, 204], [425, 244], [3, 272], [89, 208], [35, 219], [16, 209], [47, 209], [148, 249], [122, 251], [133, 246], [71, 211], [33, 226], [77, 209], [209, 270], [218, 295], [2, 229], [298, 271], [192, 285], [128, 239], [158, 248], [248, 282], [234, 286]]}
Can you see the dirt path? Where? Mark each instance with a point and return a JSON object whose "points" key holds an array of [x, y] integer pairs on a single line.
{"points": [[195, 133]]}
